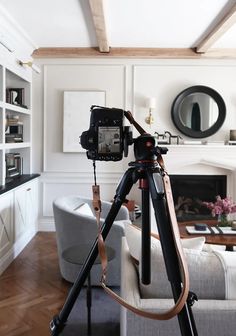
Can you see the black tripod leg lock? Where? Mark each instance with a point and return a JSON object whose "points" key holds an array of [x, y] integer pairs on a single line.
{"points": [[56, 326], [192, 297]]}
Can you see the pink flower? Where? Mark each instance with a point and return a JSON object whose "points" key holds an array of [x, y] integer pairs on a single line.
{"points": [[221, 206]]}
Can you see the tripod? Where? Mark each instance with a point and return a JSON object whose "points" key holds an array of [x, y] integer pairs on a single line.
{"points": [[147, 171]]}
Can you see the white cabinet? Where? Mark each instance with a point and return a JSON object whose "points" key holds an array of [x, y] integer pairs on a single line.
{"points": [[6, 223], [18, 220]]}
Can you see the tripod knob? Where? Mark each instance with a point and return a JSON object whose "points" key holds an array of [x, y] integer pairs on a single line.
{"points": [[160, 150]]}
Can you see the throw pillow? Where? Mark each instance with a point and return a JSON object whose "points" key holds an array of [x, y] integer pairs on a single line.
{"points": [[195, 243], [133, 236]]}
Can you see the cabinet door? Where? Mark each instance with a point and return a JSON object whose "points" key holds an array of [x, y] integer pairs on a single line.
{"points": [[25, 208], [6, 214], [32, 205], [19, 212]]}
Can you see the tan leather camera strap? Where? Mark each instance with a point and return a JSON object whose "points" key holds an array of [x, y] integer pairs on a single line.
{"points": [[183, 265]]}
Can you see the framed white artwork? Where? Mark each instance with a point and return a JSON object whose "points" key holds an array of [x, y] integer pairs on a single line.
{"points": [[77, 106]]}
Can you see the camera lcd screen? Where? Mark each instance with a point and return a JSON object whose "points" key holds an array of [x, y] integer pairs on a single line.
{"points": [[108, 140]]}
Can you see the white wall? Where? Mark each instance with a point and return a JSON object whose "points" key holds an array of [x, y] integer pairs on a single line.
{"points": [[127, 84]]}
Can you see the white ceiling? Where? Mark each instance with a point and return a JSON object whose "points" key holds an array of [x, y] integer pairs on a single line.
{"points": [[130, 23]]}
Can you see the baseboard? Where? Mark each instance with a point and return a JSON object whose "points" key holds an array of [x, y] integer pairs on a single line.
{"points": [[46, 224], [15, 250]]}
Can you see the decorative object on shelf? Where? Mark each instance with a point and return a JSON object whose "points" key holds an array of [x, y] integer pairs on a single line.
{"points": [[161, 138], [14, 129], [198, 111], [13, 166], [232, 135], [222, 208], [31, 65], [167, 138], [16, 96], [151, 105], [231, 142]]}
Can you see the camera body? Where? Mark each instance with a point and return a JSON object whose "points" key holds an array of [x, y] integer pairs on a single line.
{"points": [[107, 138]]}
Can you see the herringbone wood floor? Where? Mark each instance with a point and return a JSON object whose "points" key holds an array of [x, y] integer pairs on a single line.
{"points": [[31, 289]]}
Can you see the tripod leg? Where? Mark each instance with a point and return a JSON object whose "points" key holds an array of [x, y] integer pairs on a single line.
{"points": [[146, 253], [58, 322], [185, 317]]}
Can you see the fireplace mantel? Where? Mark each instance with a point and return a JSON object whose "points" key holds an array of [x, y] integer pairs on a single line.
{"points": [[218, 156], [205, 160]]}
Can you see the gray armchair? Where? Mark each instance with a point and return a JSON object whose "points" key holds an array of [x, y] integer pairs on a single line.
{"points": [[74, 228]]}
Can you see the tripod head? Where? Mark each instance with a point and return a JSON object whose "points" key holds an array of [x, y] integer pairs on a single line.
{"points": [[145, 149], [144, 145]]}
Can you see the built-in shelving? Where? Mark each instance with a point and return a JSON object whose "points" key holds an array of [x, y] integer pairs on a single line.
{"points": [[14, 114]]}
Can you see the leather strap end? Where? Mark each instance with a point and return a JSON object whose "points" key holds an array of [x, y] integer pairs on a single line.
{"points": [[96, 198]]}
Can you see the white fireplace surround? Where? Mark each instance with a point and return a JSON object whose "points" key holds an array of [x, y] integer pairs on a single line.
{"points": [[204, 160], [201, 160]]}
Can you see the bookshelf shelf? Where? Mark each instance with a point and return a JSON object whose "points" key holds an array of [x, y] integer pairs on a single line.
{"points": [[15, 108], [17, 145]]}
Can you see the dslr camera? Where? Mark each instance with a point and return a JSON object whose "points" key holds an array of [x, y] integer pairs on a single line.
{"points": [[107, 139]]}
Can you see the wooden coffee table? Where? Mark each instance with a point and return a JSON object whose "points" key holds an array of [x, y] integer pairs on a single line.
{"points": [[219, 239]]}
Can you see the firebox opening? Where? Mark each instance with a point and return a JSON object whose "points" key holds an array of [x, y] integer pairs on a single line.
{"points": [[189, 191]]}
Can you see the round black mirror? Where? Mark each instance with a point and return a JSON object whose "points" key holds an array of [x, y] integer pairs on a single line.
{"points": [[198, 111]]}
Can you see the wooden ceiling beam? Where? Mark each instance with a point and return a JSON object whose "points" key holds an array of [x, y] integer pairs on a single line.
{"points": [[142, 53], [97, 10], [227, 22]]}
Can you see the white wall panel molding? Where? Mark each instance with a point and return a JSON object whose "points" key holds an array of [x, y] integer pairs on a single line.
{"points": [[59, 78], [81, 177], [54, 188], [166, 82], [127, 83], [46, 224]]}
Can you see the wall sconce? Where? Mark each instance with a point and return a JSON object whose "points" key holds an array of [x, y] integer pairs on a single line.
{"points": [[31, 65], [151, 104]]}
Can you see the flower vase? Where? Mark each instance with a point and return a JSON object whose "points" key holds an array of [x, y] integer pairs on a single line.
{"points": [[223, 220]]}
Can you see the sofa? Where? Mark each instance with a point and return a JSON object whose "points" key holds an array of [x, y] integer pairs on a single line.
{"points": [[76, 225], [211, 278]]}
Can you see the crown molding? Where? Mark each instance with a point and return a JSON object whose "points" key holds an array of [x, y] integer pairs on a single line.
{"points": [[16, 36]]}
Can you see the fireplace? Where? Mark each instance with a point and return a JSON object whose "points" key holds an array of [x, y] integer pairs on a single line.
{"points": [[189, 191]]}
